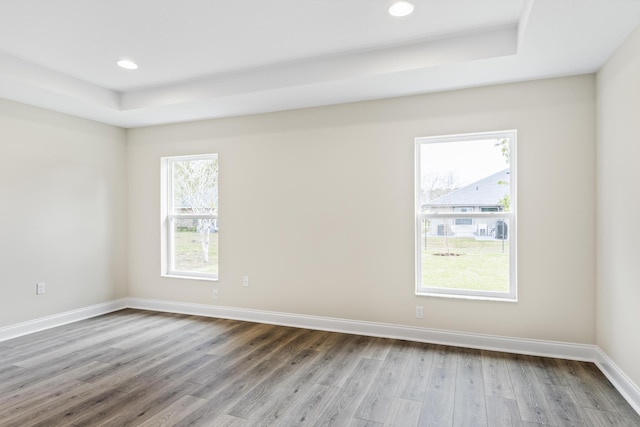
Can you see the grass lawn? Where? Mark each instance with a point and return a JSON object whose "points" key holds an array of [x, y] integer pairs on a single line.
{"points": [[481, 264], [189, 253]]}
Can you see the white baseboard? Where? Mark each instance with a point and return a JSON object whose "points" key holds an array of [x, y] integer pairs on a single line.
{"points": [[24, 328], [485, 342], [627, 388], [571, 351]]}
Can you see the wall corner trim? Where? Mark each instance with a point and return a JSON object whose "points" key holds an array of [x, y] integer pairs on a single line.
{"points": [[627, 388], [36, 325]]}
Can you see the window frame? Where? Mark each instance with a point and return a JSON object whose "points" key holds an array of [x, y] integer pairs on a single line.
{"points": [[169, 218], [511, 217]]}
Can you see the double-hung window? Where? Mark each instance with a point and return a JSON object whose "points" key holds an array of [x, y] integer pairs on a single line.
{"points": [[191, 216], [466, 215]]}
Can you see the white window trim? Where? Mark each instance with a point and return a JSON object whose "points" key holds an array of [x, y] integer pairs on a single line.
{"points": [[511, 216], [167, 240]]}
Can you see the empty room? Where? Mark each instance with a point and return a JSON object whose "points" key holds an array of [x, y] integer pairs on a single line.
{"points": [[319, 212]]}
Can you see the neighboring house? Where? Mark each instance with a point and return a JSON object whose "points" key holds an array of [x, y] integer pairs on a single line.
{"points": [[484, 195]]}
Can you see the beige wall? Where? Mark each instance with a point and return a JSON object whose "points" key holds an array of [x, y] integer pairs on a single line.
{"points": [[62, 212], [618, 176], [316, 206]]}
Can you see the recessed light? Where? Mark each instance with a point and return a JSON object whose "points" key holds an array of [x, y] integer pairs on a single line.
{"points": [[401, 8], [127, 64]]}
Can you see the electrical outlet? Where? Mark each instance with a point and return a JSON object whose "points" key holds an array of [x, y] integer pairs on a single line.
{"points": [[419, 312], [245, 281], [40, 288], [215, 294]]}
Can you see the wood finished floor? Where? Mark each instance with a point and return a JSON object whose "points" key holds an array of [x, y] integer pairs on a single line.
{"points": [[138, 368]]}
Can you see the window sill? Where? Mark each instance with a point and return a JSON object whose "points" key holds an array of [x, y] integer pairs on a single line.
{"points": [[179, 276], [467, 297]]}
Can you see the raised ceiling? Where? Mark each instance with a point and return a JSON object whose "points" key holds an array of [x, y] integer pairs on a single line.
{"points": [[208, 58]]}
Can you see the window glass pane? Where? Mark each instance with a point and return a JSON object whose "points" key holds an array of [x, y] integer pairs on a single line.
{"points": [[465, 213], [465, 176], [195, 186], [453, 258], [195, 245]]}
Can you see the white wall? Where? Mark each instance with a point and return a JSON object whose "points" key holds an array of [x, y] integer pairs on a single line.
{"points": [[62, 212], [618, 176], [316, 206]]}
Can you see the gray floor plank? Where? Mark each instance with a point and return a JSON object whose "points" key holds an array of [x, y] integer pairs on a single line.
{"points": [[562, 402], [437, 407], [403, 413], [136, 367], [341, 409], [377, 401], [503, 412], [415, 379], [470, 408], [528, 391], [497, 381]]}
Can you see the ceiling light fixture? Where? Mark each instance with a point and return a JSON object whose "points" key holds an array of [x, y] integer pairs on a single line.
{"points": [[127, 64], [401, 8]]}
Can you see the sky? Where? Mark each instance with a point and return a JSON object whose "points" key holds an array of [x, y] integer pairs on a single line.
{"points": [[469, 161]]}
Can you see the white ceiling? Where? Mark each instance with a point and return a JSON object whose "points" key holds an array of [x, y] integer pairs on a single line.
{"points": [[208, 58]]}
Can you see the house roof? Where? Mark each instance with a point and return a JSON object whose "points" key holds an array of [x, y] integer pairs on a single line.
{"points": [[485, 192]]}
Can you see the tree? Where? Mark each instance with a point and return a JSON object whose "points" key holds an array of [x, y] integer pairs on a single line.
{"points": [[505, 150], [436, 185], [195, 184]]}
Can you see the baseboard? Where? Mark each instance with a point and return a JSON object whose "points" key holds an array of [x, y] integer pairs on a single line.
{"points": [[627, 388], [24, 328], [435, 336], [588, 353]]}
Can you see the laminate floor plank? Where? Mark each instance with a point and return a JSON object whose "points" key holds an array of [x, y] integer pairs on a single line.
{"points": [[562, 402], [585, 388], [597, 418], [378, 348], [344, 404], [379, 397], [497, 381], [415, 379], [503, 412], [135, 408], [356, 422], [247, 351], [82, 402], [403, 413], [470, 408], [437, 407], [445, 357], [309, 406], [31, 401], [528, 391], [27, 397], [228, 371], [238, 337], [288, 394], [174, 413], [262, 392], [548, 371], [51, 369], [604, 385], [141, 368], [139, 359], [345, 361]]}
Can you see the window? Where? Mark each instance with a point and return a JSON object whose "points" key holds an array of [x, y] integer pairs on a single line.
{"points": [[190, 207], [466, 215]]}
